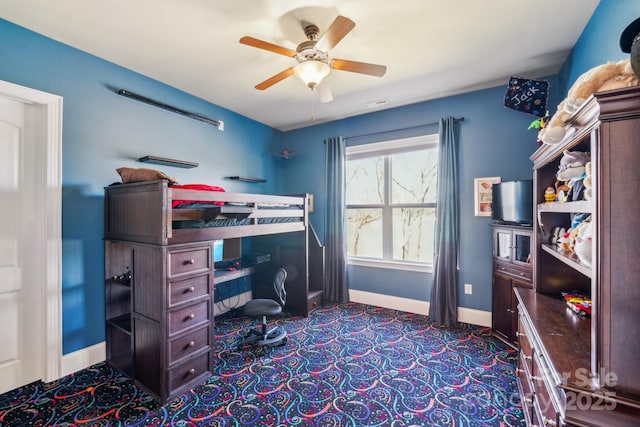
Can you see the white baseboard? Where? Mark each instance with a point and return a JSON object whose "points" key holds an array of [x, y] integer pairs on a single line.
{"points": [[81, 359], [96, 353], [239, 300], [465, 315]]}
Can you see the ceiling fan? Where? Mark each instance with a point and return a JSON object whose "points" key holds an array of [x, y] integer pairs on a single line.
{"points": [[313, 59]]}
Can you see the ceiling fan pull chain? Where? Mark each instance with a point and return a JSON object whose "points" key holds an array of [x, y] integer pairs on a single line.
{"points": [[312, 104]]}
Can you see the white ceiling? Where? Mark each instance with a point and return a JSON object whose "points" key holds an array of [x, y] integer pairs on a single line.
{"points": [[432, 48]]}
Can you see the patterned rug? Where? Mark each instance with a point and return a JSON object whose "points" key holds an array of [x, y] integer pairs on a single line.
{"points": [[348, 365]]}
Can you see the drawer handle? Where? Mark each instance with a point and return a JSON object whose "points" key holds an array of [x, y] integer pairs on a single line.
{"points": [[548, 421], [527, 357], [192, 371], [519, 371], [190, 317], [521, 334], [535, 378], [528, 400], [522, 274], [191, 289], [190, 261], [191, 344]]}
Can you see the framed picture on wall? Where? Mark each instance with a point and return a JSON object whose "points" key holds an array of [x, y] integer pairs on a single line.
{"points": [[483, 194]]}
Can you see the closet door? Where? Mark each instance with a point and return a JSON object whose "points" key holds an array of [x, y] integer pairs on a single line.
{"points": [[21, 233]]}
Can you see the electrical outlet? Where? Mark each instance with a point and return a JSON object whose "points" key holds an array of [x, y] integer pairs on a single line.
{"points": [[468, 288]]}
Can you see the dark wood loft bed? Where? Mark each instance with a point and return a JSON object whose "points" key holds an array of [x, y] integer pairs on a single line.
{"points": [[160, 278], [143, 212]]}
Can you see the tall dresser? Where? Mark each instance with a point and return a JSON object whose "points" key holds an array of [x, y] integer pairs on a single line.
{"points": [[581, 370], [159, 314]]}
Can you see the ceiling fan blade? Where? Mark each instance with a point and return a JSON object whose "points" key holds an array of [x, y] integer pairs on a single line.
{"points": [[261, 44], [324, 92], [359, 67], [275, 79], [340, 27]]}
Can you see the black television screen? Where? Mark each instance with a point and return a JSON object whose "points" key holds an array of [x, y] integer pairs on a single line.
{"points": [[512, 202]]}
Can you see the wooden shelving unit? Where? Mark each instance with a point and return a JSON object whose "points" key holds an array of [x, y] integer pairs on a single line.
{"points": [[572, 368]]}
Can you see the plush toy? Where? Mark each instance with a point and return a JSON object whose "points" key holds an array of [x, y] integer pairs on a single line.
{"points": [[612, 75], [572, 237], [582, 246], [572, 165], [562, 191], [587, 182], [571, 170]]}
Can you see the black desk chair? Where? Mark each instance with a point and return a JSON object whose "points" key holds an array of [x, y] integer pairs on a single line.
{"points": [[261, 308]]}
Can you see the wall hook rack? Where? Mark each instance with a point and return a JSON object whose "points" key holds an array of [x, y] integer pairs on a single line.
{"points": [[217, 123]]}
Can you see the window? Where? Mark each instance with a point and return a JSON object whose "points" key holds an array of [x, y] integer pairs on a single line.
{"points": [[390, 202]]}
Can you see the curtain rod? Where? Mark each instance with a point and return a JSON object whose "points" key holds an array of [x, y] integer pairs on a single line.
{"points": [[457, 119]]}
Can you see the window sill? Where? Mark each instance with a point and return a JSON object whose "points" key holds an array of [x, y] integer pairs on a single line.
{"points": [[392, 265]]}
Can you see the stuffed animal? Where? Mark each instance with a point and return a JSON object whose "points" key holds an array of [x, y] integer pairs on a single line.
{"points": [[571, 237], [572, 165], [583, 242], [571, 171], [562, 191], [612, 75], [587, 182]]}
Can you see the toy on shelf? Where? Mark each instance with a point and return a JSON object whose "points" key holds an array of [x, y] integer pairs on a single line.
{"points": [[550, 195], [587, 182], [579, 302], [612, 75], [569, 185]]}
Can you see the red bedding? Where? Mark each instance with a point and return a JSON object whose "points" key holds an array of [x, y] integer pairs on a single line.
{"points": [[202, 187]]}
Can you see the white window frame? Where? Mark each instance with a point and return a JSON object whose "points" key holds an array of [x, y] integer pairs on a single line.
{"points": [[386, 148]]}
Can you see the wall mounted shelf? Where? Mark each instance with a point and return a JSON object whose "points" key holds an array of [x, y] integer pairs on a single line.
{"points": [[217, 123], [246, 179], [167, 162]]}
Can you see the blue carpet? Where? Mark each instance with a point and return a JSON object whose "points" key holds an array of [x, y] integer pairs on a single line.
{"points": [[347, 365]]}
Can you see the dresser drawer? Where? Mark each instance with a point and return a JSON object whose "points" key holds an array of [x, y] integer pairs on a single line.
{"points": [[523, 274], [188, 317], [187, 289], [545, 399], [188, 344], [525, 344], [188, 371], [526, 391], [189, 260]]}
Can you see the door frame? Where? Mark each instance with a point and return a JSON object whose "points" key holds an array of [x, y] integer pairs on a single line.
{"points": [[48, 123]]}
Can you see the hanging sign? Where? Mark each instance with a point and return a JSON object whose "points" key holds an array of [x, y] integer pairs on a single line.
{"points": [[527, 95]]}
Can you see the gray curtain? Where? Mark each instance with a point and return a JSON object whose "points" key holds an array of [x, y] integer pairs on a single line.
{"points": [[443, 307], [335, 241]]}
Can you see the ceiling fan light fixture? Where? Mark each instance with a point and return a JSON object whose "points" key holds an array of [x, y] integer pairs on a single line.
{"points": [[311, 72]]}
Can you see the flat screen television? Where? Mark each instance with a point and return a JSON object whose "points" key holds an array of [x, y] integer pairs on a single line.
{"points": [[512, 203]]}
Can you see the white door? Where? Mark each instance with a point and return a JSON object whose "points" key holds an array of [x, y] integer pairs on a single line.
{"points": [[30, 199], [20, 284]]}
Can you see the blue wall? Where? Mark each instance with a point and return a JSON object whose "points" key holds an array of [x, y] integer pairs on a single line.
{"points": [[103, 131], [494, 141], [600, 41]]}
